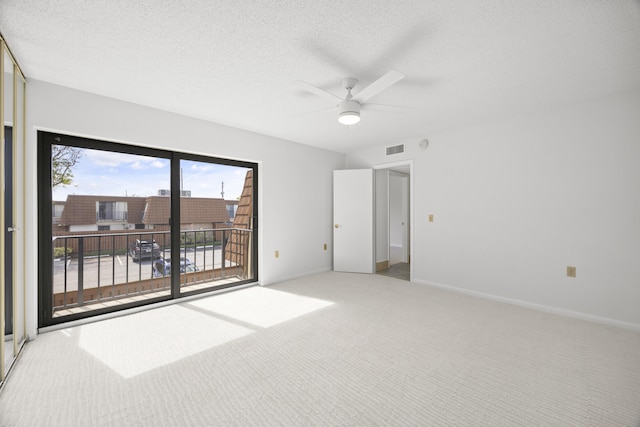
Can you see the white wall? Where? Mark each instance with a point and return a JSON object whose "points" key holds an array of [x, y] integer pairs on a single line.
{"points": [[517, 201], [8, 98], [295, 181]]}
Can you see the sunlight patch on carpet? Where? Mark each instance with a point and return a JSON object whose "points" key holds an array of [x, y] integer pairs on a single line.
{"points": [[117, 342], [260, 306]]}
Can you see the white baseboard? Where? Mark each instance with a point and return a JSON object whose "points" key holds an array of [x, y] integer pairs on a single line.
{"points": [[539, 307]]}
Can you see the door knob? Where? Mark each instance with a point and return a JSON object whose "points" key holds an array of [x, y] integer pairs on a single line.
{"points": [[337, 226]]}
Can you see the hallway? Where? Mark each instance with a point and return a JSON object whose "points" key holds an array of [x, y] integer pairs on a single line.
{"points": [[400, 271]]}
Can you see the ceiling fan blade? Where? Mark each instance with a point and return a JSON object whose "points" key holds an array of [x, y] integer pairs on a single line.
{"points": [[386, 107], [317, 91], [378, 86], [304, 113]]}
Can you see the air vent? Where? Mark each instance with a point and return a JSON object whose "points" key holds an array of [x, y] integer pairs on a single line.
{"points": [[395, 150]]}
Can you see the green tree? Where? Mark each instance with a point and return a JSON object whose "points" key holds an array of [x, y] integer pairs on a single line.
{"points": [[63, 159]]}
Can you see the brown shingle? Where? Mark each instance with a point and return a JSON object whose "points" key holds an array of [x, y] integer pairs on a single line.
{"points": [[197, 210], [194, 210], [81, 209], [237, 248], [158, 210]]}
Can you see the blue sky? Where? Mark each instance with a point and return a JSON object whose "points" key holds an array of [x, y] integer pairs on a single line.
{"points": [[115, 174]]}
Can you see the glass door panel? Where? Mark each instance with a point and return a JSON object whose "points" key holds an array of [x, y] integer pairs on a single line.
{"points": [[8, 247], [110, 224], [215, 233], [6, 189]]}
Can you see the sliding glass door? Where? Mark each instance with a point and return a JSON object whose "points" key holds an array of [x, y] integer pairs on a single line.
{"points": [[132, 226], [12, 265]]}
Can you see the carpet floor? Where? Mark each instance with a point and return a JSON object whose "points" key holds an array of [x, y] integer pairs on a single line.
{"points": [[329, 349]]}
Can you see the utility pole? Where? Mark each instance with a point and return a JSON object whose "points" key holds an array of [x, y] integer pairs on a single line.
{"points": [[222, 192]]}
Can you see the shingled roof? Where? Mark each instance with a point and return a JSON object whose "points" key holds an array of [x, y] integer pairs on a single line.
{"points": [[194, 210], [237, 249], [202, 210], [158, 210], [81, 209]]}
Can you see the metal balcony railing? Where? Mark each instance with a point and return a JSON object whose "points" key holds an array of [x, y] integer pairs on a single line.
{"points": [[113, 267]]}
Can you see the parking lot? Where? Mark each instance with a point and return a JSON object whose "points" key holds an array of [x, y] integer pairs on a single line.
{"points": [[122, 269]]}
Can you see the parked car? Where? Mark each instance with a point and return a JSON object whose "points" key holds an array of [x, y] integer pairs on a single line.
{"points": [[162, 267], [144, 249]]}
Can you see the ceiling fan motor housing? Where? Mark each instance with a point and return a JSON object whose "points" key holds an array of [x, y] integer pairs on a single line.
{"points": [[350, 106]]}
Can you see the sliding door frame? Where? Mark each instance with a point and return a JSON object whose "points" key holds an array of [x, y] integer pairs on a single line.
{"points": [[45, 251]]}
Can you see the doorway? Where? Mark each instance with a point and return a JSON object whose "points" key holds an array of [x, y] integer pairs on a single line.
{"points": [[393, 221]]}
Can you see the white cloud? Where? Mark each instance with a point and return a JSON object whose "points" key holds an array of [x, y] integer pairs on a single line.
{"points": [[113, 160], [201, 167], [105, 158]]}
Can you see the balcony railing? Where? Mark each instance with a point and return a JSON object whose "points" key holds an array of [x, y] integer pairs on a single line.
{"points": [[112, 268]]}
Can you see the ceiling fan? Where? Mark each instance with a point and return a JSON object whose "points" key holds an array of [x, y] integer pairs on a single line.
{"points": [[349, 107]]}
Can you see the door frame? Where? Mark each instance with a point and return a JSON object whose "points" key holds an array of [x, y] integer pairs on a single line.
{"points": [[398, 167]]}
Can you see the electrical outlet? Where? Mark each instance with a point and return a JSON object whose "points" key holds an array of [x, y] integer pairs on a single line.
{"points": [[325, 246], [571, 271], [277, 254]]}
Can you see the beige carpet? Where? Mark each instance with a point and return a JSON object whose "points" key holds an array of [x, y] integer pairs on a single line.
{"points": [[330, 349]]}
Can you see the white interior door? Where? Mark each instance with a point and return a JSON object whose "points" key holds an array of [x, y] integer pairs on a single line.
{"points": [[353, 232], [406, 242], [398, 216], [396, 219]]}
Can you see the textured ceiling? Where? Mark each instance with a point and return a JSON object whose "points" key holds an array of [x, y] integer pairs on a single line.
{"points": [[234, 62]]}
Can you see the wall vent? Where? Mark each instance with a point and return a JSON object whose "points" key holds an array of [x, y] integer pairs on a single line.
{"points": [[395, 149]]}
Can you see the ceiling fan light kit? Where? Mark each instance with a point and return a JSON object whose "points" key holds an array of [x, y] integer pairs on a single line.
{"points": [[349, 112]]}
